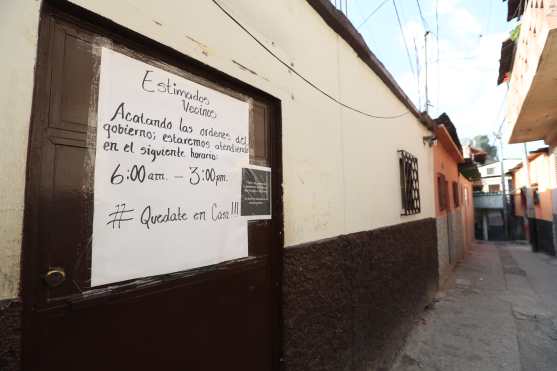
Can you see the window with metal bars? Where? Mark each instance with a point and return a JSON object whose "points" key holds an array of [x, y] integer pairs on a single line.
{"points": [[409, 184]]}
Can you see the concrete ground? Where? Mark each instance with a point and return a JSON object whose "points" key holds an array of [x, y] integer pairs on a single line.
{"points": [[499, 312]]}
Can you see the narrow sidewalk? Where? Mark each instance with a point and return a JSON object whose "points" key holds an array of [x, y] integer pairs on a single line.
{"points": [[499, 313]]}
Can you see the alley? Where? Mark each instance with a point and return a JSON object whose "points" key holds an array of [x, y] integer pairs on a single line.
{"points": [[499, 312]]}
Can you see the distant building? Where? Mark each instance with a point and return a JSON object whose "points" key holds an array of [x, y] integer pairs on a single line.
{"points": [[489, 201], [490, 176]]}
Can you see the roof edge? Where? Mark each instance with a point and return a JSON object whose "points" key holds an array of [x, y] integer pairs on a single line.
{"points": [[339, 23], [447, 141]]}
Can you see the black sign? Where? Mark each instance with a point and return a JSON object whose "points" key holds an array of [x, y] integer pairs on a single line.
{"points": [[256, 192]]}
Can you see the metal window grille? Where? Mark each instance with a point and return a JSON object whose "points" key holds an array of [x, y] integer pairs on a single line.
{"points": [[409, 185]]}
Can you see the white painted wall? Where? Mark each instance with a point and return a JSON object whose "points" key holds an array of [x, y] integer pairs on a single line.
{"points": [[491, 173], [340, 168], [18, 48], [494, 169]]}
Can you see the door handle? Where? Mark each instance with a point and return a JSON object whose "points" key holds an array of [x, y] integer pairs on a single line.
{"points": [[55, 277]]}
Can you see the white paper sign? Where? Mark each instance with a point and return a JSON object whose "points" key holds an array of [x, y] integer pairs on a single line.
{"points": [[168, 173]]}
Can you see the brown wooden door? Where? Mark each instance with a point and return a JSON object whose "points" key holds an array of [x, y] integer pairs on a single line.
{"points": [[221, 317]]}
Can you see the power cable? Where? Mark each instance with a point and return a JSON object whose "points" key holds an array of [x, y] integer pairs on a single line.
{"points": [[404, 38], [418, 76], [372, 13], [424, 21], [300, 75], [437, 45], [501, 110], [486, 31]]}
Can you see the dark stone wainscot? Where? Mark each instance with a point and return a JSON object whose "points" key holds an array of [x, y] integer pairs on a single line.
{"points": [[349, 302], [542, 236], [10, 335]]}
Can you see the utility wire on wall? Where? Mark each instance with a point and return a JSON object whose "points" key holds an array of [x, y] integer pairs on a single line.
{"points": [[307, 81]]}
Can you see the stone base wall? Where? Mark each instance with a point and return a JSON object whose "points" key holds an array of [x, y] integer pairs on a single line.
{"points": [[443, 248], [450, 242], [555, 231], [542, 235], [457, 235], [350, 301], [10, 335]]}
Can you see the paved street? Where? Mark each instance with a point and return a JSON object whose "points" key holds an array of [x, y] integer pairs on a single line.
{"points": [[499, 312]]}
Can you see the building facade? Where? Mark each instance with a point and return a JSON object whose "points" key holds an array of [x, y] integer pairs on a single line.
{"points": [[453, 202], [335, 251], [532, 102], [534, 201], [491, 203], [490, 181]]}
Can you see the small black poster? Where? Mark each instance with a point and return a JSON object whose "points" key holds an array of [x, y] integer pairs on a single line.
{"points": [[256, 192]]}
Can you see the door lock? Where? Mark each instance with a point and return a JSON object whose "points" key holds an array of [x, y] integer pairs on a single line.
{"points": [[55, 277]]}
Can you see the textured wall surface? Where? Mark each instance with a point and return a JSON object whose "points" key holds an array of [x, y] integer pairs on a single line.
{"points": [[443, 248], [450, 236], [457, 234], [18, 34], [349, 301], [10, 335]]}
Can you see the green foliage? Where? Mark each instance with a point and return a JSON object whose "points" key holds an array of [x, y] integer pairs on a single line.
{"points": [[515, 33]]}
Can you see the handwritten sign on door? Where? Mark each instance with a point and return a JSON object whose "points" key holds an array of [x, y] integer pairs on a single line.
{"points": [[168, 173]]}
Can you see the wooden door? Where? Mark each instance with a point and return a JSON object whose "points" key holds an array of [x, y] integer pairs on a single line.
{"points": [[219, 317]]}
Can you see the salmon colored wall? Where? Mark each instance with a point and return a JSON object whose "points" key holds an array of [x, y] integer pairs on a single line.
{"points": [[540, 174], [444, 163]]}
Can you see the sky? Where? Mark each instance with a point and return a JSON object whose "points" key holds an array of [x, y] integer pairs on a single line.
{"points": [[463, 52]]}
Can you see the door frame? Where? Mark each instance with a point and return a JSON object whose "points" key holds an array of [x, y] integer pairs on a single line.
{"points": [[33, 254]]}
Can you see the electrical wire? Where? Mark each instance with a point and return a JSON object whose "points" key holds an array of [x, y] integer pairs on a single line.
{"points": [[404, 38], [418, 77], [307, 81], [372, 13], [489, 18], [501, 110], [424, 21], [438, 59]]}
